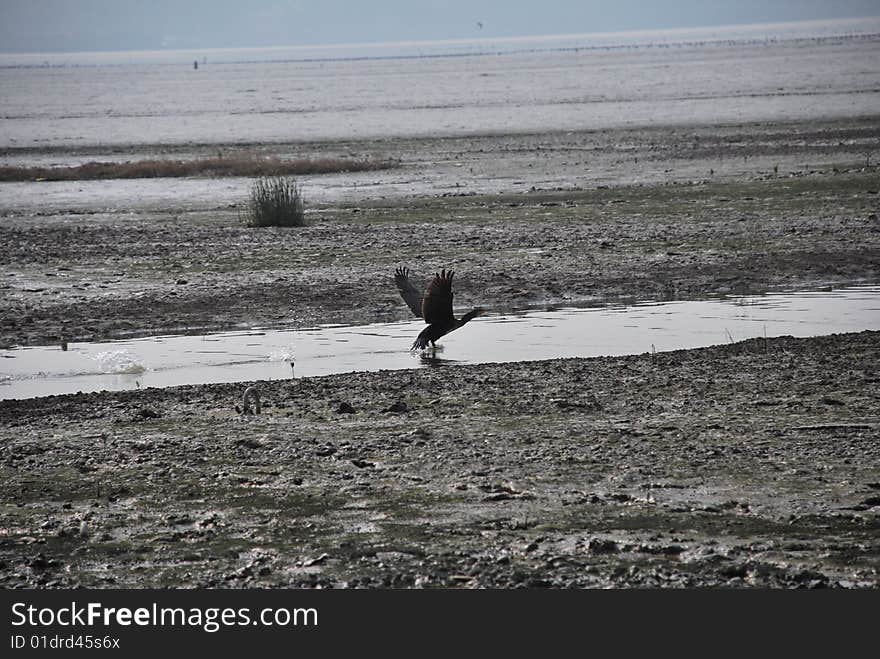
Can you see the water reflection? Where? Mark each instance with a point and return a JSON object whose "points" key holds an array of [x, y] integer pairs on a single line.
{"points": [[433, 358]]}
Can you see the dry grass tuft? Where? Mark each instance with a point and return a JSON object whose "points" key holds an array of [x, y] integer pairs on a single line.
{"points": [[209, 167], [275, 202]]}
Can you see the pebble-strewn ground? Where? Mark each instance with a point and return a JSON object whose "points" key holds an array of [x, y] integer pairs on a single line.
{"points": [[752, 464]]}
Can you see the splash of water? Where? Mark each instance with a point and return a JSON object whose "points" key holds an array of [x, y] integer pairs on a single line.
{"points": [[118, 362], [283, 355]]}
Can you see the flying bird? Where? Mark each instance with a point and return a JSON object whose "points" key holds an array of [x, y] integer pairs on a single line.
{"points": [[435, 306]]}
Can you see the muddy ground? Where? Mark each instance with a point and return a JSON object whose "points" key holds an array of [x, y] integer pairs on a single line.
{"points": [[524, 220], [752, 464]]}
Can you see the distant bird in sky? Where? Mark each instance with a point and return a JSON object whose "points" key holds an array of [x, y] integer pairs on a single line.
{"points": [[435, 306]]}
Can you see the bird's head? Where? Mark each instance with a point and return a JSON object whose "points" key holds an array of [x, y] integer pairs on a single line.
{"points": [[473, 313]]}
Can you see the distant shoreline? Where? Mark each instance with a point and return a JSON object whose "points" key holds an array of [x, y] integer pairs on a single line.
{"points": [[867, 28]]}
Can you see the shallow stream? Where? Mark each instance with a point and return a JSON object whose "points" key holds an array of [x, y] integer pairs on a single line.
{"points": [[164, 361]]}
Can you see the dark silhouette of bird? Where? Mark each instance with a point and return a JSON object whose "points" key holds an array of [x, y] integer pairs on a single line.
{"points": [[435, 306]]}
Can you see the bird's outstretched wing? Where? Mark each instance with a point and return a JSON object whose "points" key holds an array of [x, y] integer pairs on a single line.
{"points": [[437, 305], [408, 292]]}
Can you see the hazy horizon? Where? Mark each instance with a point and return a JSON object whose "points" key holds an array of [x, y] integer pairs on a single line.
{"points": [[61, 26]]}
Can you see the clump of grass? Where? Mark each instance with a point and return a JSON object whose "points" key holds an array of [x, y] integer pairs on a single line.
{"points": [[275, 202], [219, 166]]}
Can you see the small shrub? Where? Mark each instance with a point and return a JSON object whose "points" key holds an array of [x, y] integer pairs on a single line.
{"points": [[275, 202]]}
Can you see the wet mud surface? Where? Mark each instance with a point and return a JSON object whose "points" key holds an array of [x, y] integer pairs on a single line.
{"points": [[524, 220], [746, 465]]}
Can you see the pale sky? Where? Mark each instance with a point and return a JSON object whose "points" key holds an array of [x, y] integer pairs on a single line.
{"points": [[88, 25]]}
